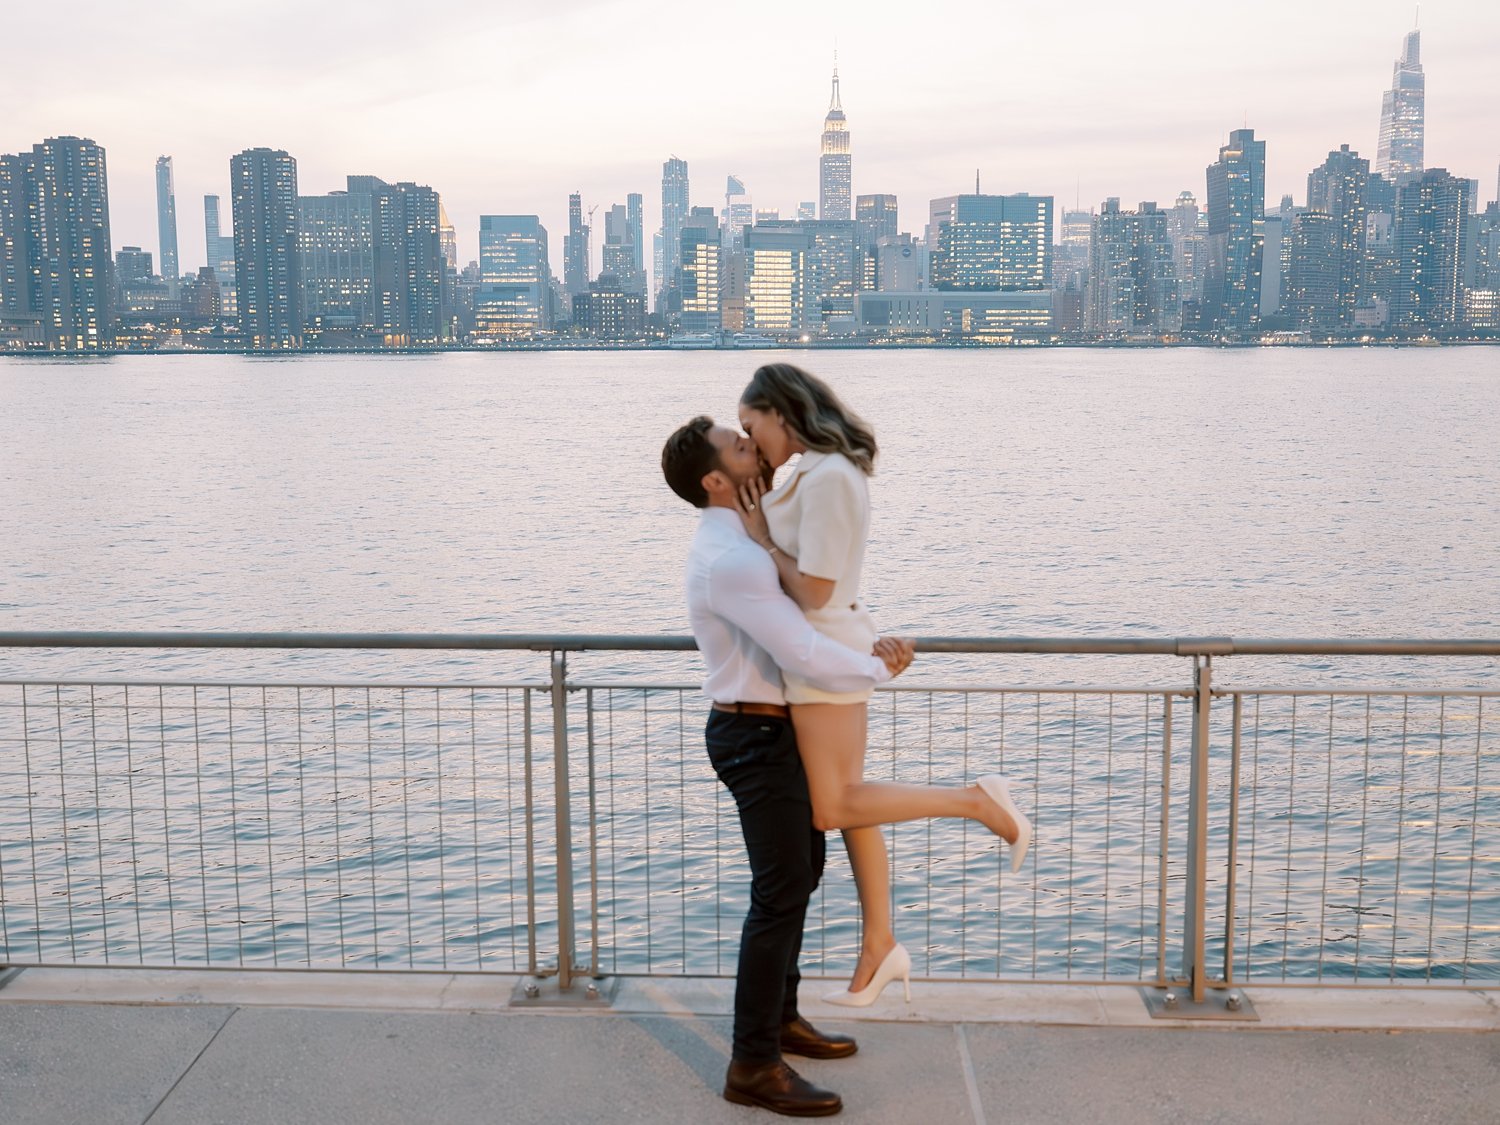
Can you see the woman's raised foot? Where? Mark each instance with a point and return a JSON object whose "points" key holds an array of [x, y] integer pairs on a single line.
{"points": [[997, 788]]}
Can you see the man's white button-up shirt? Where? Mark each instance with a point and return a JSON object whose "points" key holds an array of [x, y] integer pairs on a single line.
{"points": [[748, 629]]}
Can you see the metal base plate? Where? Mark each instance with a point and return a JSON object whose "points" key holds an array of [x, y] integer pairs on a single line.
{"points": [[8, 973], [542, 992], [1176, 1003]]}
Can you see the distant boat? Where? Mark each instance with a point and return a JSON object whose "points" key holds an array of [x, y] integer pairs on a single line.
{"points": [[751, 340], [694, 340]]}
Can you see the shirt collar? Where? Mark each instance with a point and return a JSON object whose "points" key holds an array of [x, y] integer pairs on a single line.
{"points": [[806, 462], [724, 517]]}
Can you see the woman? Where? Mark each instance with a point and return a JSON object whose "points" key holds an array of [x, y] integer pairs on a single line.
{"points": [[815, 525]]}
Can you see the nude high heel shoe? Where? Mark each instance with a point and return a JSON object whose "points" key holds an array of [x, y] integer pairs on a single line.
{"points": [[997, 788], [897, 963]]}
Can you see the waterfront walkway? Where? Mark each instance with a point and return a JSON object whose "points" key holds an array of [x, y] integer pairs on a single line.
{"points": [[191, 1048]]}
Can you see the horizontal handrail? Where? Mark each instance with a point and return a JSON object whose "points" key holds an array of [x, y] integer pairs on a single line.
{"points": [[617, 642]]}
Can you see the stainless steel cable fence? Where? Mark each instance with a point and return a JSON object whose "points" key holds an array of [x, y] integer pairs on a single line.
{"points": [[1367, 836], [349, 826], [572, 826], [673, 879]]}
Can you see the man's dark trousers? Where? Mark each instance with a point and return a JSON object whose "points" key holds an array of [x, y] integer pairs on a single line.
{"points": [[756, 757]]}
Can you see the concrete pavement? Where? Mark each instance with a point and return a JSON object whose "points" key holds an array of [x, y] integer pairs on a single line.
{"points": [[91, 1047]]}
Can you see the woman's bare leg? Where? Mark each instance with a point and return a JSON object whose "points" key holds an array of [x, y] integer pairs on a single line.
{"points": [[872, 880], [832, 738]]}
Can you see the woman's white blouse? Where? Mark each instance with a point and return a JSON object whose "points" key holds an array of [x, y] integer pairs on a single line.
{"points": [[821, 517]]}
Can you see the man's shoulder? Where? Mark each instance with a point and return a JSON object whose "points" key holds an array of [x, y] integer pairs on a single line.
{"points": [[741, 556], [736, 563]]}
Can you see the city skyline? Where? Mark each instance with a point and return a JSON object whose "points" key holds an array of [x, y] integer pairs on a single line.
{"points": [[1066, 118]]}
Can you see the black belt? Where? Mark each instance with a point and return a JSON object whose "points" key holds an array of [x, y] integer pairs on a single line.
{"points": [[780, 710]]}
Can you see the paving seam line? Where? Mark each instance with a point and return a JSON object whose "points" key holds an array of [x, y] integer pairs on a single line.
{"points": [[189, 1068], [971, 1084]]}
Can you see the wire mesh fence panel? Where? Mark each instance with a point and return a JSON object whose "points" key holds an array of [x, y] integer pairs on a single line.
{"points": [[1369, 841], [1352, 835], [262, 825], [673, 879]]}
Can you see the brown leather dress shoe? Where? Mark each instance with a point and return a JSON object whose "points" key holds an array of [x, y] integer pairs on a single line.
{"points": [[801, 1038], [779, 1088]]}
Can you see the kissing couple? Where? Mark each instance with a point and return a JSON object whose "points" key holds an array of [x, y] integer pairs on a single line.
{"points": [[792, 655]]}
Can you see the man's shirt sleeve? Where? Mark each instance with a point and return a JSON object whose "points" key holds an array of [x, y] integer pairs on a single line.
{"points": [[744, 590]]}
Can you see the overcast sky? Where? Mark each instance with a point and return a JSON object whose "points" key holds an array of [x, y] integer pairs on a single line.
{"points": [[506, 107]]}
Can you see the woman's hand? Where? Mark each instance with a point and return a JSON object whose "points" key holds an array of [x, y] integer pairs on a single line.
{"points": [[753, 512], [897, 653]]}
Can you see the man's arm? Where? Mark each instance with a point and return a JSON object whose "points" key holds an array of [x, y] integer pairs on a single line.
{"points": [[744, 590]]}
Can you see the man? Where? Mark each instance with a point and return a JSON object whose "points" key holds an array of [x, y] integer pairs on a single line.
{"points": [[747, 630]]}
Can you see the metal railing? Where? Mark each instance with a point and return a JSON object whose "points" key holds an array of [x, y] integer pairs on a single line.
{"points": [[572, 826]]}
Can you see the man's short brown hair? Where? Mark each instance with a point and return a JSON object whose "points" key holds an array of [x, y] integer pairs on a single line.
{"points": [[688, 457]]}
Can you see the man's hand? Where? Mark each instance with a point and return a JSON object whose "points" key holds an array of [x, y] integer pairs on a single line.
{"points": [[897, 652]]}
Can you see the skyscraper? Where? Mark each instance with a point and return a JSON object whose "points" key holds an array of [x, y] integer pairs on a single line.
{"points": [[876, 216], [220, 253], [267, 274], [220, 247], [1311, 294], [622, 248], [1484, 263], [1340, 189], [336, 261], [409, 261], [17, 317], [1432, 229], [996, 242], [132, 264], [372, 261], [635, 222], [674, 208], [738, 213], [56, 270], [1482, 298], [576, 248], [830, 256], [835, 173], [448, 237], [514, 295], [1236, 210], [833, 269], [699, 265], [1188, 245], [776, 281], [1400, 156], [1132, 285], [166, 220]]}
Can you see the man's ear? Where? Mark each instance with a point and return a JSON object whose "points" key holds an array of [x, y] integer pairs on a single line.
{"points": [[716, 480]]}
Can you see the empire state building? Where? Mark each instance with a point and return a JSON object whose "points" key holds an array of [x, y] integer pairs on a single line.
{"points": [[835, 178]]}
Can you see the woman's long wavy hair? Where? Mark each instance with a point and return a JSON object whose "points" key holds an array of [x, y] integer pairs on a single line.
{"points": [[816, 415]]}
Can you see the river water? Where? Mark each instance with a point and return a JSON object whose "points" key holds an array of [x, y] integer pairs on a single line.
{"points": [[1257, 492], [1253, 492]]}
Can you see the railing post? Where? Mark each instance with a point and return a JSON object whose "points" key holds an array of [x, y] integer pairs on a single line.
{"points": [[565, 920], [1197, 850]]}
